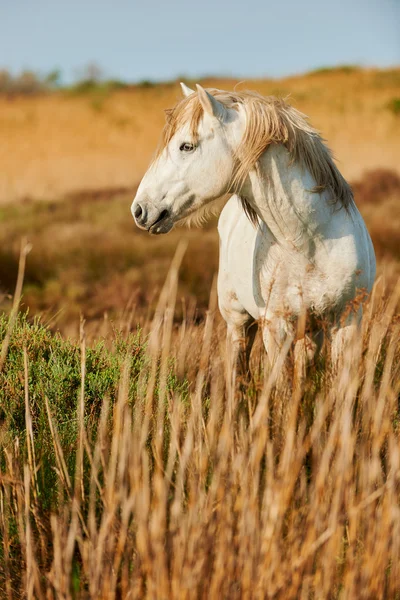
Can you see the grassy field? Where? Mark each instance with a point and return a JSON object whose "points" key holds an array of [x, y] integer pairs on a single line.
{"points": [[132, 463], [135, 469]]}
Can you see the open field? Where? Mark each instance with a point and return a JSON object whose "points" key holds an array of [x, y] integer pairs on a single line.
{"points": [[131, 465]]}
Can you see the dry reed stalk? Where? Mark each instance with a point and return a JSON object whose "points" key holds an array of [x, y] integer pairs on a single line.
{"points": [[24, 251], [5, 524]]}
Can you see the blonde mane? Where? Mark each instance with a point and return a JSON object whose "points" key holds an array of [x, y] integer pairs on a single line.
{"points": [[270, 120]]}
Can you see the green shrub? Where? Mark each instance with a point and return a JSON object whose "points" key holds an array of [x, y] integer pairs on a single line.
{"points": [[347, 69], [54, 372], [394, 106]]}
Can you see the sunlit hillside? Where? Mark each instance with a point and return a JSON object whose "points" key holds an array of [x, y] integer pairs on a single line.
{"points": [[56, 143]]}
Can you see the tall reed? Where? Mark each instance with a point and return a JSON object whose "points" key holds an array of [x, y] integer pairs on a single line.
{"points": [[212, 490]]}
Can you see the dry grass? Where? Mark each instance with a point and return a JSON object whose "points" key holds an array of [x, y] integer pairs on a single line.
{"points": [[59, 143], [213, 491]]}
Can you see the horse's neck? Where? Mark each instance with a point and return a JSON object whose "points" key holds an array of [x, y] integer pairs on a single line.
{"points": [[281, 194]]}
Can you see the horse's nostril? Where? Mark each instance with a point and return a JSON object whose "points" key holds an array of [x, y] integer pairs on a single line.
{"points": [[138, 211], [163, 214]]}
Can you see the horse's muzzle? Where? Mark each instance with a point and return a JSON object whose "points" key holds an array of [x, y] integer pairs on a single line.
{"points": [[150, 220]]}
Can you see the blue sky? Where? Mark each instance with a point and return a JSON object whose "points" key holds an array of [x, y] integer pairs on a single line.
{"points": [[159, 39]]}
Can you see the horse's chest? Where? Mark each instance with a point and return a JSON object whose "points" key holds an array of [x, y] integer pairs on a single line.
{"points": [[267, 276]]}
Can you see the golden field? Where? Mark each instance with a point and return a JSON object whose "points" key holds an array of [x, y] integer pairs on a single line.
{"points": [[139, 468]]}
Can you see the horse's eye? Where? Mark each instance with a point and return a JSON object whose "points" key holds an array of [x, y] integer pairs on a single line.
{"points": [[186, 147]]}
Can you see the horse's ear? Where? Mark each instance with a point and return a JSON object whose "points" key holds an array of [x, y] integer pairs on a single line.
{"points": [[210, 104], [186, 90]]}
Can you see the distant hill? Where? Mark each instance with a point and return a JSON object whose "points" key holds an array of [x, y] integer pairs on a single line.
{"points": [[101, 136]]}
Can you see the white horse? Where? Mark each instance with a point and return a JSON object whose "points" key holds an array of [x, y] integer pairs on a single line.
{"points": [[291, 238]]}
